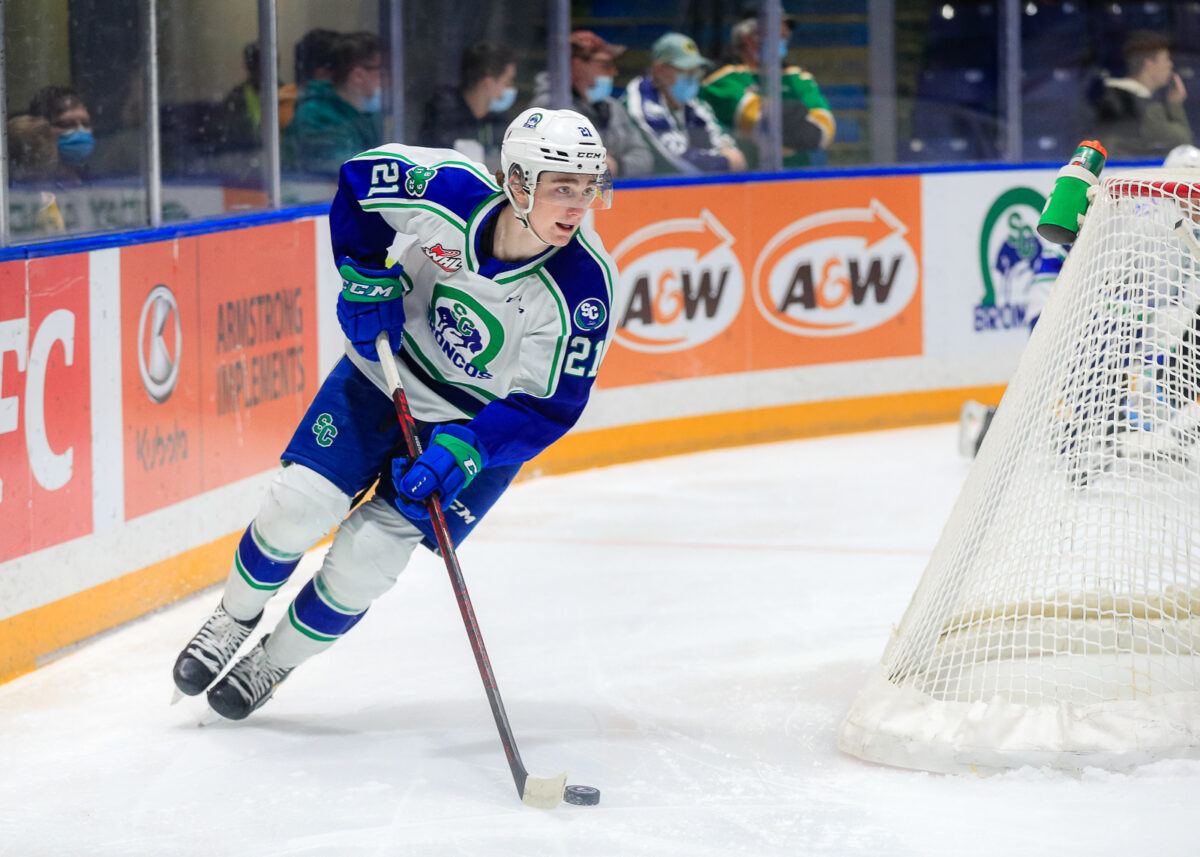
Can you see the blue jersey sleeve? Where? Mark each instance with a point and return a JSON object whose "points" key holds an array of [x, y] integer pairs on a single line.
{"points": [[378, 176], [364, 236]]}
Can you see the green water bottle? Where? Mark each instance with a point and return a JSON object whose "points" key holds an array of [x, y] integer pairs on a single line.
{"points": [[1068, 203]]}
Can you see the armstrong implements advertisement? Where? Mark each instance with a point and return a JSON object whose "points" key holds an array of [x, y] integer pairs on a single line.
{"points": [[717, 279], [219, 358]]}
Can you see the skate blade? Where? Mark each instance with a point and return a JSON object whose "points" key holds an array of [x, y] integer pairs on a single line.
{"points": [[176, 695], [209, 718]]}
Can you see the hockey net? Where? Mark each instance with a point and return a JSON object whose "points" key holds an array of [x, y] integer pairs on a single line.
{"points": [[1058, 620]]}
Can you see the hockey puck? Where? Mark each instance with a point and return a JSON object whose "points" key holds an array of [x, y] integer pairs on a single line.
{"points": [[582, 795]]}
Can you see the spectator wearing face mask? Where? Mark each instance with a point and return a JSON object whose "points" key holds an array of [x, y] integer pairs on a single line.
{"points": [[473, 116], [682, 131], [593, 70], [68, 116], [338, 118], [735, 94]]}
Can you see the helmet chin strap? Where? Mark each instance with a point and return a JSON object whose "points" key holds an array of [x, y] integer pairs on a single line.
{"points": [[523, 216]]}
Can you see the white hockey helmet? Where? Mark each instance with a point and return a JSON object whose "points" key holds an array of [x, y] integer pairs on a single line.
{"points": [[539, 141], [1183, 156]]}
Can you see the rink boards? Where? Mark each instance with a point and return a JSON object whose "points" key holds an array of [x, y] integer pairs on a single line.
{"points": [[147, 387]]}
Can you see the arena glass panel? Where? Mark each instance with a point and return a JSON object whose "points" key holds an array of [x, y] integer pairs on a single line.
{"points": [[76, 124], [210, 108], [335, 90], [502, 47]]}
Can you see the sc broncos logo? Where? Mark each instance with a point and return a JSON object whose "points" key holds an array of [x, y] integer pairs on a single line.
{"points": [[467, 333], [418, 179], [590, 314]]}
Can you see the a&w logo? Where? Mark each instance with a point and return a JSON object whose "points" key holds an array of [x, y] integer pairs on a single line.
{"points": [[836, 272], [418, 179], [680, 284], [467, 333], [447, 260]]}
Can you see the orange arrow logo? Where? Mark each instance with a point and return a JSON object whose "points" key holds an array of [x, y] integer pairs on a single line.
{"points": [[872, 225]]}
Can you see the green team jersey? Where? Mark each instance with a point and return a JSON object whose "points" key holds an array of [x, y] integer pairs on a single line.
{"points": [[734, 94]]}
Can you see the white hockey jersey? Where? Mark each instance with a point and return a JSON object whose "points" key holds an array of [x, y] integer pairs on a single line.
{"points": [[512, 348]]}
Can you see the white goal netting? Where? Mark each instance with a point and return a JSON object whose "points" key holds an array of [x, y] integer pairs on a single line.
{"points": [[1058, 620]]}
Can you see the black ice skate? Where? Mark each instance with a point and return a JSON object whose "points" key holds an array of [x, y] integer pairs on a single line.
{"points": [[249, 684], [210, 650]]}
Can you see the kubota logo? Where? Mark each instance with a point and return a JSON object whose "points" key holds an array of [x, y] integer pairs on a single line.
{"points": [[680, 284], [836, 272]]}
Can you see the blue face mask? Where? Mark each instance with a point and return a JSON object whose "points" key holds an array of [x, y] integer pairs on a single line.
{"points": [[373, 103], [685, 88], [505, 101], [783, 48], [600, 90], [76, 146]]}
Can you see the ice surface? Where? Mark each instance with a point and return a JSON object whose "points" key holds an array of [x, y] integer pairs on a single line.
{"points": [[683, 634]]}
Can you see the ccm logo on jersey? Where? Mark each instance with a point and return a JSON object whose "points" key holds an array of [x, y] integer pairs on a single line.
{"points": [[447, 260]]}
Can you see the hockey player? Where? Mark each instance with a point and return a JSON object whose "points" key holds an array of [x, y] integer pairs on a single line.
{"points": [[496, 297]]}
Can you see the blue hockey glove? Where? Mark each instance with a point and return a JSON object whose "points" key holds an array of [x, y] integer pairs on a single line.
{"points": [[371, 302], [453, 459]]}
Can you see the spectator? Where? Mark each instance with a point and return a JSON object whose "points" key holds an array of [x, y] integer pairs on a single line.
{"points": [[1129, 120], [683, 134], [593, 67], [340, 117], [67, 114], [32, 148], [314, 61], [241, 111], [735, 95], [33, 162], [473, 117]]}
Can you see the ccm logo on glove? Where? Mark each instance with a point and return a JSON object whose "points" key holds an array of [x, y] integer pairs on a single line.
{"points": [[370, 303]]}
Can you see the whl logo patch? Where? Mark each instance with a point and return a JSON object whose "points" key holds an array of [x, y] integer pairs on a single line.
{"points": [[418, 179], [447, 260], [467, 333]]}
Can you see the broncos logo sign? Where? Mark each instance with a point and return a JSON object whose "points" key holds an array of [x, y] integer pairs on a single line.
{"points": [[467, 333]]}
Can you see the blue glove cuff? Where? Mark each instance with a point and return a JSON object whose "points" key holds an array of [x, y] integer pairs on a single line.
{"points": [[369, 284], [461, 443]]}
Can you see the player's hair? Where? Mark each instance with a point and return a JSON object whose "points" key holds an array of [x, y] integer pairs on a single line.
{"points": [[1142, 45], [350, 51], [50, 102], [484, 59]]}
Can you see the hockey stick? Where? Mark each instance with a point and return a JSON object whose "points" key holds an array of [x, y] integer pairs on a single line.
{"points": [[540, 792]]}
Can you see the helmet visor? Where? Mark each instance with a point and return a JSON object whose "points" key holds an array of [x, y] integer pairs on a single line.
{"points": [[575, 190]]}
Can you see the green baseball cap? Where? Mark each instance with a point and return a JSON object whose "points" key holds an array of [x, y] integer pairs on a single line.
{"points": [[676, 49]]}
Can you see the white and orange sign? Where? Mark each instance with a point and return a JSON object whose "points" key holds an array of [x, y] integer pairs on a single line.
{"points": [[219, 357], [45, 404], [715, 279]]}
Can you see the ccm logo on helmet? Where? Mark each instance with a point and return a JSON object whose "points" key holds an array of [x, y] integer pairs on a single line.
{"points": [[591, 155]]}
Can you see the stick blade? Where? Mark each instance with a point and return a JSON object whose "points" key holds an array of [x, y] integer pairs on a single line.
{"points": [[544, 792]]}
